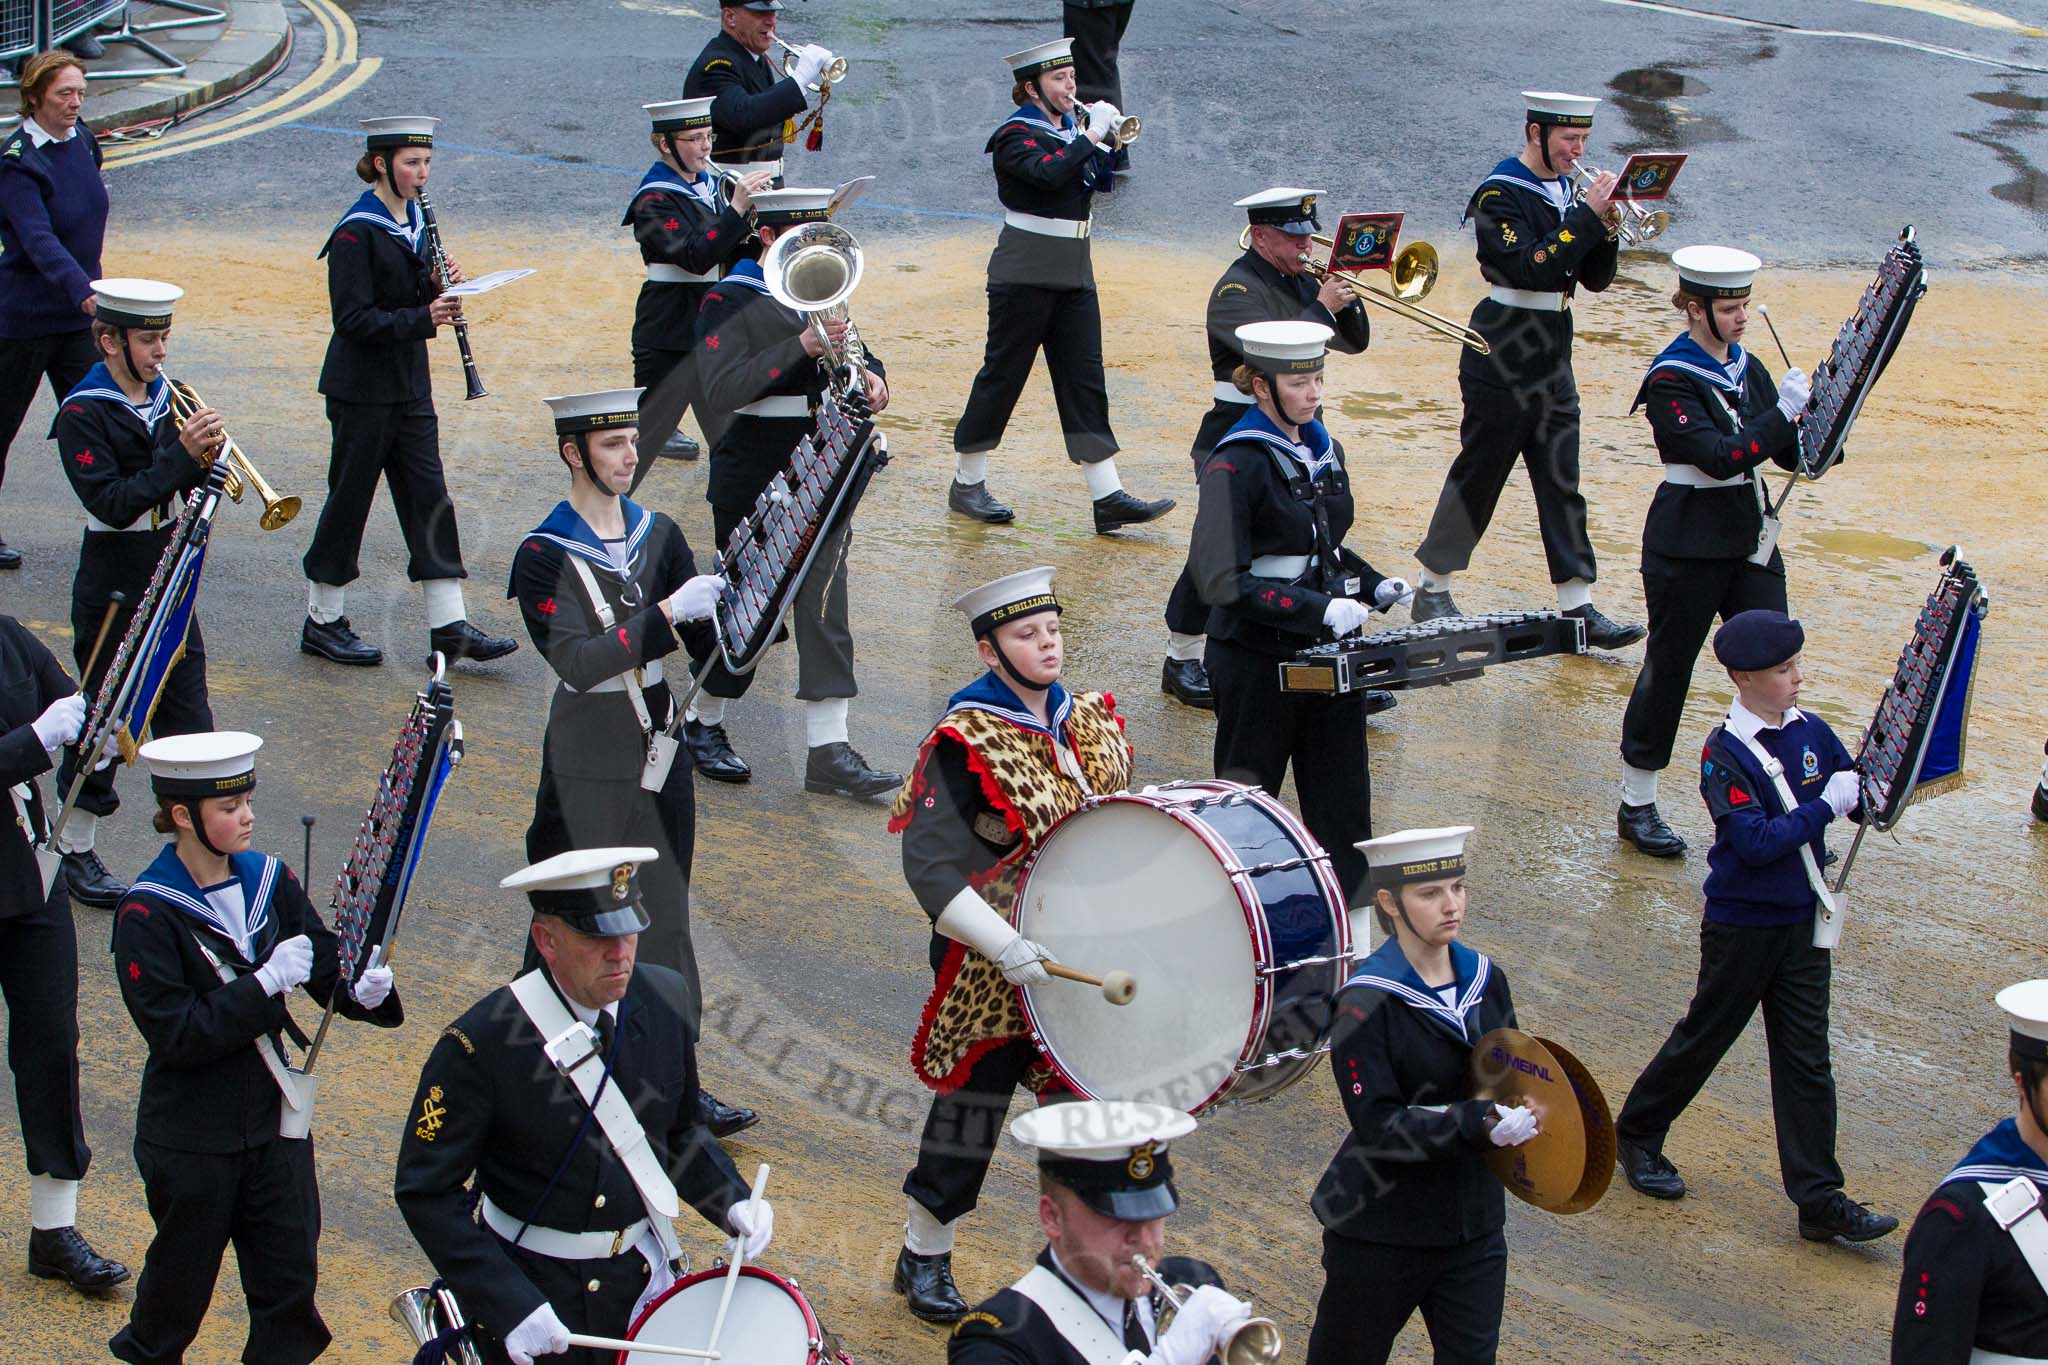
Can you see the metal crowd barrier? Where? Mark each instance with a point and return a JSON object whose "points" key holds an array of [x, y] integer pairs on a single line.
{"points": [[31, 26]]}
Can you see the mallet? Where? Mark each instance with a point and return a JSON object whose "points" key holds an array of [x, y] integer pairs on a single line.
{"points": [[1118, 988]]}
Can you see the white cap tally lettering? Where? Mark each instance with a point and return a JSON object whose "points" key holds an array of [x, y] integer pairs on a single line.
{"points": [[134, 303], [215, 763], [1416, 855], [599, 411]]}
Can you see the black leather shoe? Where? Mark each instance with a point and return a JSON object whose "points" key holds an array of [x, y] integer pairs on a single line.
{"points": [[64, 1254], [1378, 699], [338, 641], [9, 558], [721, 1118], [1602, 633], [712, 752], [974, 500], [1432, 606], [1843, 1217], [1121, 509], [464, 641], [1644, 827], [926, 1284], [1187, 682], [1648, 1172], [2041, 802], [837, 769], [680, 447], [88, 882]]}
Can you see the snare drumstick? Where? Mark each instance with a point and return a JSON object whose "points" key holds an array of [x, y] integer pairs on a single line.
{"points": [[639, 1347], [732, 1271], [1118, 988]]}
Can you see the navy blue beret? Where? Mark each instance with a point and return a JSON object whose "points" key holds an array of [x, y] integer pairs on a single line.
{"points": [[1753, 640]]}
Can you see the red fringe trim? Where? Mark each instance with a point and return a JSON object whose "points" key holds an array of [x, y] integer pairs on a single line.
{"points": [[949, 972]]}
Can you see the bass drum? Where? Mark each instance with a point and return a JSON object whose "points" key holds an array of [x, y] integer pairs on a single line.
{"points": [[1223, 907], [769, 1322]]}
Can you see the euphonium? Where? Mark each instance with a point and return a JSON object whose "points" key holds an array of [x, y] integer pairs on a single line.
{"points": [[814, 268], [242, 472], [426, 1313], [1257, 1341]]}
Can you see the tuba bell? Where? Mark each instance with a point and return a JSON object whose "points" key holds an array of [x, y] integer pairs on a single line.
{"points": [[427, 1311], [242, 472]]}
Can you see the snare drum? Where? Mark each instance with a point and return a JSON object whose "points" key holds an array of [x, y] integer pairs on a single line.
{"points": [[1225, 910], [769, 1322]]}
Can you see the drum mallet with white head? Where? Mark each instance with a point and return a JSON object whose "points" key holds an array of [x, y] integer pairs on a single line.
{"points": [[1118, 988]]}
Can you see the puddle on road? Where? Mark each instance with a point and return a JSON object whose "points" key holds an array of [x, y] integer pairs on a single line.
{"points": [[1853, 548], [1657, 83], [1643, 94], [1385, 406], [2013, 100]]}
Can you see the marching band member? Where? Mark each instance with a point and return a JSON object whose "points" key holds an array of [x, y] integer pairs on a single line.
{"points": [[40, 712], [1412, 1218], [129, 462], [1041, 292], [1975, 1283], [753, 110], [1536, 247], [1773, 777], [1105, 1191], [759, 377], [1268, 283], [570, 1096], [689, 228], [208, 945], [1014, 752], [380, 403], [1268, 557], [1716, 418], [2041, 791], [609, 591]]}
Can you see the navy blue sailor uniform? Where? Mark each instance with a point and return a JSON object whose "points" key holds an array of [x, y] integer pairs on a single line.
{"points": [[1412, 1216], [1267, 556], [1756, 948], [751, 108], [591, 756], [214, 1167], [380, 398], [1536, 248], [1715, 425], [1009, 1328], [129, 471], [1041, 287], [1967, 1286]]}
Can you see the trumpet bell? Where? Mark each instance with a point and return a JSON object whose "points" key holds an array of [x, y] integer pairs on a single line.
{"points": [[278, 512], [1653, 225], [1414, 271], [1129, 130]]}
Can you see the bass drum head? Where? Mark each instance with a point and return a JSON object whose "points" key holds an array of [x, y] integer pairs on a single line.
{"points": [[768, 1324], [1124, 886]]}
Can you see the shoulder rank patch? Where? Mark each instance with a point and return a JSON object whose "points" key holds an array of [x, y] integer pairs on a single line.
{"points": [[717, 61], [459, 1036], [432, 1114], [1232, 287], [1485, 195], [977, 1316]]}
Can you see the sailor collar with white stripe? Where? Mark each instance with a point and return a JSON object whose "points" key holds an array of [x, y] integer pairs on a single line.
{"points": [[370, 209], [1389, 970], [566, 527], [1746, 724], [1066, 130], [662, 176], [168, 880], [1315, 452], [1556, 192], [1689, 357], [2000, 1155], [746, 272], [99, 384], [991, 694]]}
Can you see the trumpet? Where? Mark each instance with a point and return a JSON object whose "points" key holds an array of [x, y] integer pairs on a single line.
{"points": [[426, 1313], [834, 72], [1124, 129], [1254, 1342], [1413, 274], [1634, 224], [242, 472]]}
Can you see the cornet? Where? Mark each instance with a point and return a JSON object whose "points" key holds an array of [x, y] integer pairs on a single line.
{"points": [[1636, 224], [1256, 1341], [1124, 129], [242, 473], [426, 1313], [834, 72]]}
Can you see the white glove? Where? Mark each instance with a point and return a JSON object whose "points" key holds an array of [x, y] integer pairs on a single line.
{"points": [[1102, 116], [754, 1224], [373, 987], [1023, 962], [696, 599], [1199, 1327], [811, 61], [541, 1333], [1793, 393], [1843, 792], [60, 722], [1513, 1126], [291, 962], [1391, 591], [1344, 615]]}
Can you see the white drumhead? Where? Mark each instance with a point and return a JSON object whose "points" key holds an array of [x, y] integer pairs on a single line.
{"points": [[764, 1327], [1126, 887]]}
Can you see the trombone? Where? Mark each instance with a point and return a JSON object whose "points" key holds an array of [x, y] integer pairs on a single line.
{"points": [[242, 472], [1413, 274], [1636, 224], [1256, 1341], [834, 72]]}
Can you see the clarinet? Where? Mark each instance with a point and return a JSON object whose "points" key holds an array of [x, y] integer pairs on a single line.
{"points": [[470, 378]]}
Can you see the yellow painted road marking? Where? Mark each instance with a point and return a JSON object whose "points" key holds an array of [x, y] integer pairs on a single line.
{"points": [[1966, 14]]}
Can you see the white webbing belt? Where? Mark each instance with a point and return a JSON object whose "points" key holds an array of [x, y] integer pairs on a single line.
{"points": [[659, 272], [1828, 908], [1541, 301], [1047, 227], [1980, 1356], [625, 682], [272, 1061], [48, 861], [141, 523], [563, 1246], [1289, 567], [2016, 1206], [1075, 1319], [1692, 476], [776, 405], [1227, 392]]}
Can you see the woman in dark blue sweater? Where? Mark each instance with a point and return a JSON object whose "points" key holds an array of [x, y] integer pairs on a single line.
{"points": [[53, 219]]}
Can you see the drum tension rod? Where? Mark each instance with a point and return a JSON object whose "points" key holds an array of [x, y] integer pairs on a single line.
{"points": [[1322, 961], [1293, 1054]]}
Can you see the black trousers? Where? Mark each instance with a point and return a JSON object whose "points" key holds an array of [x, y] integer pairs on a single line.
{"points": [[1067, 325], [401, 444], [62, 358], [668, 396], [1260, 730], [961, 1129], [1538, 425], [1371, 1289], [39, 980], [264, 1202], [1740, 969], [1186, 612], [1097, 33], [1684, 597], [819, 619], [605, 1311]]}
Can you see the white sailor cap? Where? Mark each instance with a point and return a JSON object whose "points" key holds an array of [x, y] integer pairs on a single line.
{"points": [[1416, 855], [2026, 1014], [1556, 107], [134, 303], [1112, 1153], [405, 130], [679, 116], [595, 890], [1284, 207], [779, 208], [1715, 272], [1284, 347], [576, 412], [1008, 598], [215, 763], [1036, 61]]}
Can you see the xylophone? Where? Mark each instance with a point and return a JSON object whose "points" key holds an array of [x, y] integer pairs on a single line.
{"points": [[1914, 746], [1446, 650], [1862, 349]]}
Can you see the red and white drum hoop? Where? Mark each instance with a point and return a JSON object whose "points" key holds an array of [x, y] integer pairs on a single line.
{"points": [[770, 1323]]}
